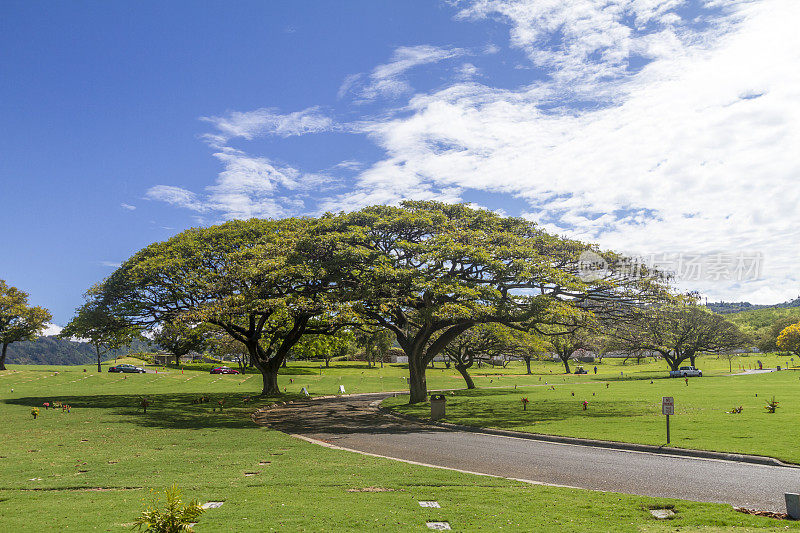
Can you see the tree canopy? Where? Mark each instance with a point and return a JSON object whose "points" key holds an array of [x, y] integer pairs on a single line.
{"points": [[678, 332], [789, 339], [244, 277], [18, 320], [103, 330], [428, 269]]}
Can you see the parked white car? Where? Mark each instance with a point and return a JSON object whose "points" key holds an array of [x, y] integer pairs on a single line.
{"points": [[686, 372]]}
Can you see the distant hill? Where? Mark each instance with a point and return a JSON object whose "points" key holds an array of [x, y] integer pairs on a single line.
{"points": [[55, 351], [755, 320], [725, 308]]}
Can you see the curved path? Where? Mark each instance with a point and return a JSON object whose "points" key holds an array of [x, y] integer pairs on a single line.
{"points": [[353, 423]]}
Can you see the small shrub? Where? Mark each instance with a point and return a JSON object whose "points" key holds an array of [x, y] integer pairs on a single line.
{"points": [[771, 406], [174, 517]]}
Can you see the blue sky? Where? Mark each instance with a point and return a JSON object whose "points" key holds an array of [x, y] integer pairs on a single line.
{"points": [[649, 127]]}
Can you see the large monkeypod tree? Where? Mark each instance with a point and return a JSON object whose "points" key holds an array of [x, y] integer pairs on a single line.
{"points": [[103, 330], [677, 331], [482, 342], [18, 320], [429, 271], [565, 341], [242, 276]]}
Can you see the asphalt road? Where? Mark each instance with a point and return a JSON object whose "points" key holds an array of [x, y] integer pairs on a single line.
{"points": [[351, 423]]}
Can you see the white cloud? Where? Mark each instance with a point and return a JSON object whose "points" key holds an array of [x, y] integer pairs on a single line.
{"points": [[467, 71], [51, 329], [388, 80], [588, 41], [251, 124], [696, 153], [114, 264], [347, 84], [129, 207], [688, 144], [176, 196], [248, 187]]}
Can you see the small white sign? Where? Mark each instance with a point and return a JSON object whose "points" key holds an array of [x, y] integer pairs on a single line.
{"points": [[341, 389], [667, 405]]}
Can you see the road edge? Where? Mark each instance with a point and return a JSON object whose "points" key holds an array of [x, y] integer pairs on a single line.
{"points": [[614, 445]]}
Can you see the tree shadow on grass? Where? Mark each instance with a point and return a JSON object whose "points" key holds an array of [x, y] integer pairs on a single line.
{"points": [[169, 411], [512, 416], [504, 410]]}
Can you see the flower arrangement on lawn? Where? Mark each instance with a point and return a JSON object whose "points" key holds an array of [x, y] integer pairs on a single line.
{"points": [[35, 413], [525, 404]]}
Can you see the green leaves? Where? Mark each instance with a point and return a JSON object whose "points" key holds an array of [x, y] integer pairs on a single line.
{"points": [[18, 320]]}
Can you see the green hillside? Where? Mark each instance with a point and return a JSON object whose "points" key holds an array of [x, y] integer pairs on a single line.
{"points": [[762, 319], [55, 351]]}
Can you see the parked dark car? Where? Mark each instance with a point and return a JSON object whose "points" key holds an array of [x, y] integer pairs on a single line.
{"points": [[127, 369], [224, 370]]}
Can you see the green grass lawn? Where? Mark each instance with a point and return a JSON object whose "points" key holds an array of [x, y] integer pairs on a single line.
{"points": [[93, 468], [629, 409]]}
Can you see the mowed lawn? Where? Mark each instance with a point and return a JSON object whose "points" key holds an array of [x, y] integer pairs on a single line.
{"points": [[628, 408], [94, 468]]}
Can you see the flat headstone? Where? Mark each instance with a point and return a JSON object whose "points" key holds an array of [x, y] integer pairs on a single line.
{"points": [[438, 525], [429, 504], [662, 514], [212, 505]]}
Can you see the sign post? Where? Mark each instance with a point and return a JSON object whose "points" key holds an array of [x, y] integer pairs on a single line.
{"points": [[667, 408]]}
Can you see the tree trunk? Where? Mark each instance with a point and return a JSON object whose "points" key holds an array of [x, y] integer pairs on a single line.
{"points": [[270, 379], [418, 386], [3, 356], [528, 364], [674, 363], [97, 349], [463, 371], [566, 364], [327, 362], [692, 358]]}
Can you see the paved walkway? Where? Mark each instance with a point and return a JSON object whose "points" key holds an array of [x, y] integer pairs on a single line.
{"points": [[354, 424]]}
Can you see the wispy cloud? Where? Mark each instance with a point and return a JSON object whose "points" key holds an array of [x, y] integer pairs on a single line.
{"points": [[265, 121], [677, 155], [248, 187], [176, 196], [584, 42], [114, 264], [388, 80], [129, 207], [646, 125]]}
